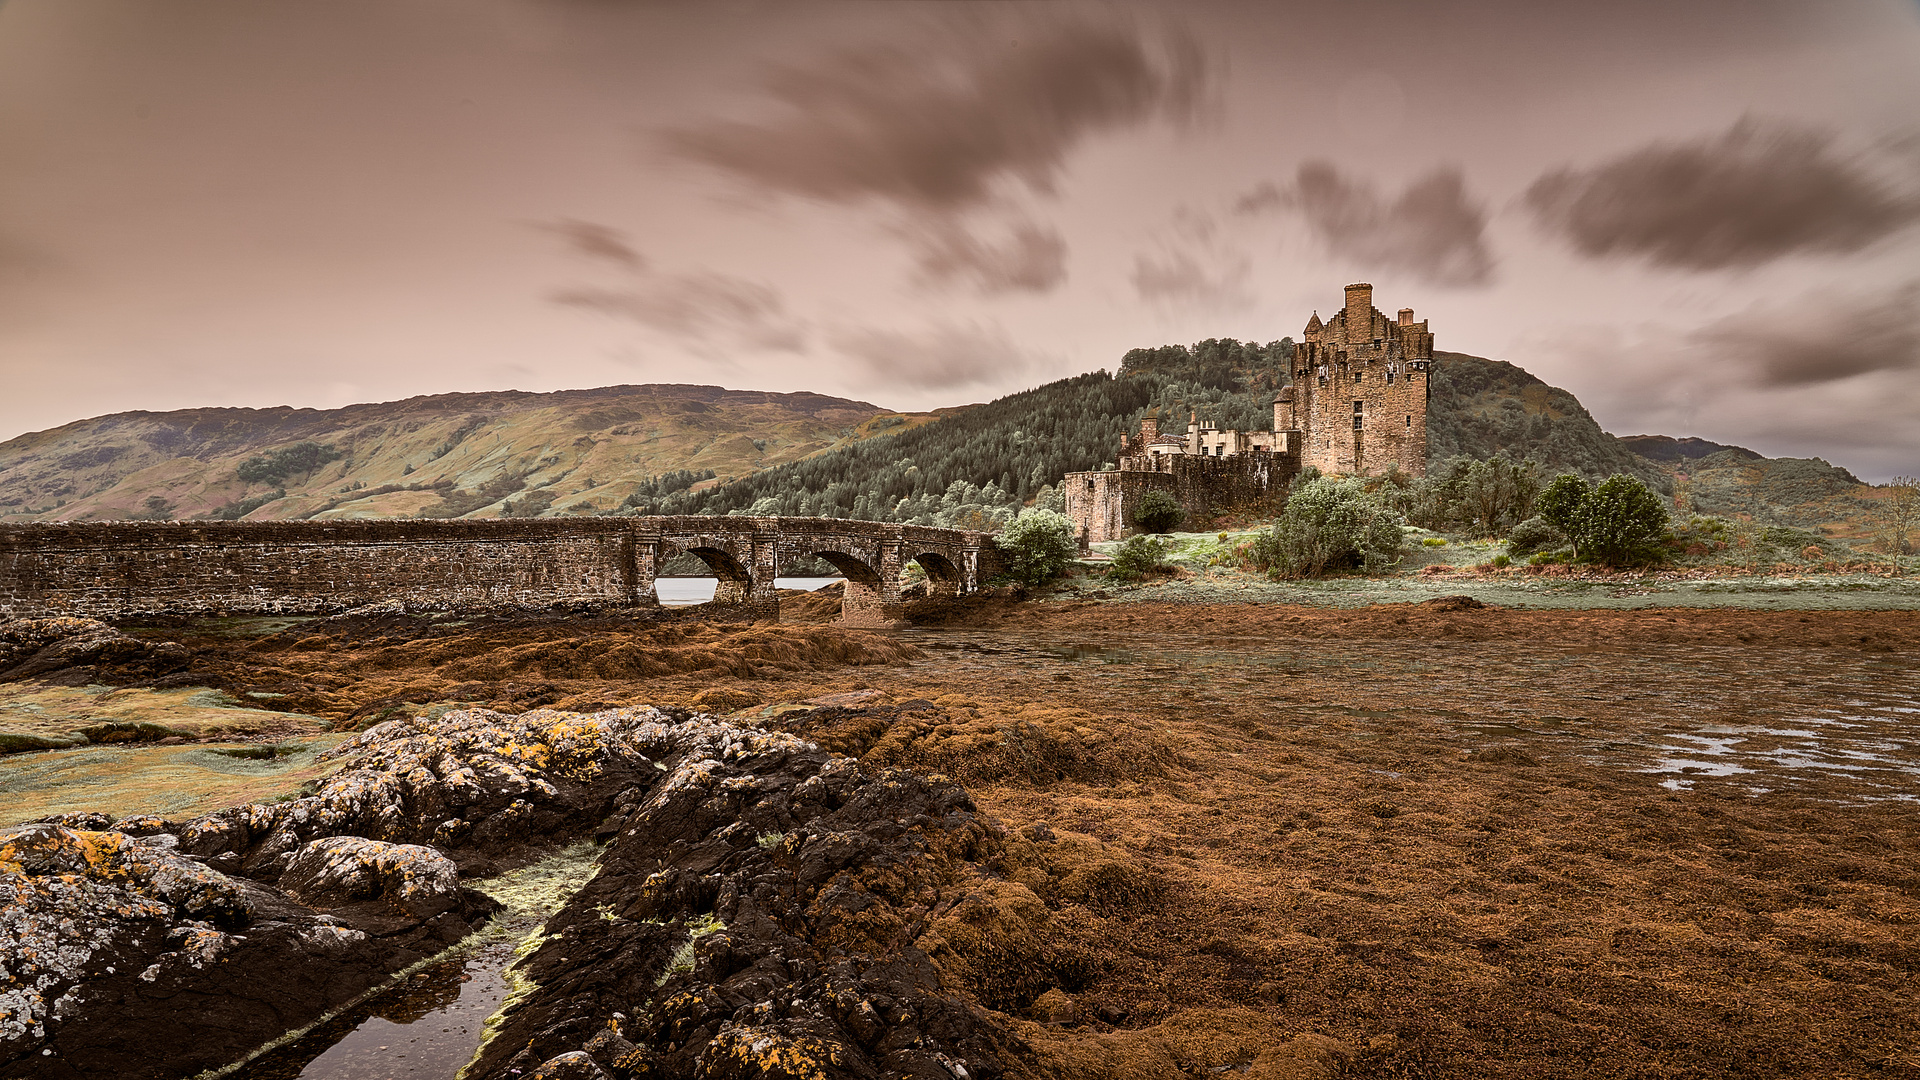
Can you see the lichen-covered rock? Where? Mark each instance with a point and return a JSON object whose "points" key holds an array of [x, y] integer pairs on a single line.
{"points": [[761, 911], [30, 647], [475, 783], [339, 870]]}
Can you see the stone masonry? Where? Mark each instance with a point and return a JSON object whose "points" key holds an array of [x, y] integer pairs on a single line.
{"points": [[125, 569], [1360, 389], [1358, 404]]}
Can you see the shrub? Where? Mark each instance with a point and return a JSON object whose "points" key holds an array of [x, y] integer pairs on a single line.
{"points": [[1559, 505], [1501, 561], [1138, 557], [1433, 541], [1157, 512], [1531, 535], [1329, 525], [1037, 546], [1620, 522]]}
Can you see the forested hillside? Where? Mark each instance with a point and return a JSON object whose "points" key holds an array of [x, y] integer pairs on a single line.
{"points": [[1485, 407], [957, 470]]}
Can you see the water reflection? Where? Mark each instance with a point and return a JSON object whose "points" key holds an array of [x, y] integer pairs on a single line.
{"points": [[681, 591]]}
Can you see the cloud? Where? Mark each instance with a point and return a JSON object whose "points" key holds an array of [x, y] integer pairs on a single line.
{"points": [[1033, 258], [936, 124], [1757, 192], [1178, 276], [1819, 340], [703, 307], [598, 242], [941, 357], [1434, 230]]}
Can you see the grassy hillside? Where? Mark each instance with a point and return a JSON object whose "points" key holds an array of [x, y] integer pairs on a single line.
{"points": [[575, 451]]}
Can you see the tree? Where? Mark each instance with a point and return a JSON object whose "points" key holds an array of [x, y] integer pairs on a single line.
{"points": [[1620, 522], [1560, 504], [1498, 493], [1900, 515], [1157, 512], [1037, 546]]}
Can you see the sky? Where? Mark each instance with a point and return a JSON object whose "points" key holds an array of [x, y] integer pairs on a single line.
{"points": [[1701, 217]]}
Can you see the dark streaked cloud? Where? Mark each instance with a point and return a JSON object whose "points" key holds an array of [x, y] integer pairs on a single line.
{"points": [[1821, 340], [1434, 230], [945, 356], [701, 308], [1183, 277], [597, 242], [935, 124], [1032, 258], [1757, 192]]}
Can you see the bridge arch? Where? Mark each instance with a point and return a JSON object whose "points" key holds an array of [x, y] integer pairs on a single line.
{"points": [[944, 576]]}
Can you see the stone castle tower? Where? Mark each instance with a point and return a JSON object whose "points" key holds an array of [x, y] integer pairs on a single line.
{"points": [[1360, 390]]}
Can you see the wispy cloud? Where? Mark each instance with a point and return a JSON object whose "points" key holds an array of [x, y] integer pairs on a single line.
{"points": [[1434, 229], [1820, 339], [698, 308], [1754, 193], [943, 356], [1031, 258], [597, 242]]}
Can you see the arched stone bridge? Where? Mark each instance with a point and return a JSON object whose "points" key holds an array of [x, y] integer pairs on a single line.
{"points": [[747, 553], [118, 569]]}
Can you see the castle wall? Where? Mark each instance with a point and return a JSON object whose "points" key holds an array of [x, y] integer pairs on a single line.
{"points": [[1101, 504]]}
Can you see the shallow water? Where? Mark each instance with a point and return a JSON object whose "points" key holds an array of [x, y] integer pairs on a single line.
{"points": [[681, 591], [429, 1025], [1834, 724]]}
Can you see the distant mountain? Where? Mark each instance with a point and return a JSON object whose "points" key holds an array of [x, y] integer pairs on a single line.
{"points": [[572, 451], [1669, 450]]}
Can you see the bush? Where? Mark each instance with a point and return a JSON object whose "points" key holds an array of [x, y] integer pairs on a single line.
{"points": [[1329, 525], [1037, 546], [1531, 535], [1138, 557], [1157, 512], [1433, 541], [1502, 561], [1621, 522]]}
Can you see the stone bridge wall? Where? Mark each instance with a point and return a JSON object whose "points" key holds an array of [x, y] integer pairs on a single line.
{"points": [[124, 569]]}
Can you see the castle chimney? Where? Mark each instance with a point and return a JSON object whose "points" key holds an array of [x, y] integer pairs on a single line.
{"points": [[1406, 316], [1359, 313], [1149, 430]]}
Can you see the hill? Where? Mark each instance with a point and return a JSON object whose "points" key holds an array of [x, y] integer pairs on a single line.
{"points": [[1670, 451], [446, 455], [1484, 407]]}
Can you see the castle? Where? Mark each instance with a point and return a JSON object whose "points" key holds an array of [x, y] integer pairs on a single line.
{"points": [[1357, 404]]}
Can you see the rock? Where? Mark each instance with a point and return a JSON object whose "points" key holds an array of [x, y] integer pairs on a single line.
{"points": [[761, 912], [1056, 1007], [573, 1065], [342, 869], [36, 647]]}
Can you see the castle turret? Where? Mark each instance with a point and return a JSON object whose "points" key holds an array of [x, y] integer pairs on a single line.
{"points": [[1359, 313]]}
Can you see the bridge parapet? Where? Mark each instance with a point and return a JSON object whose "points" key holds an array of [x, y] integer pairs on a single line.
{"points": [[120, 569]]}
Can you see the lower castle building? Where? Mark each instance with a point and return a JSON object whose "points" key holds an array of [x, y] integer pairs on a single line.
{"points": [[1357, 404]]}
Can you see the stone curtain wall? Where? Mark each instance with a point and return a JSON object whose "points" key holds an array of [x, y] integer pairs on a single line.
{"points": [[125, 569], [1101, 504]]}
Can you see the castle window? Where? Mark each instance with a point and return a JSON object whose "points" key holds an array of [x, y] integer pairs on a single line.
{"points": [[1356, 376], [1357, 414], [1409, 423]]}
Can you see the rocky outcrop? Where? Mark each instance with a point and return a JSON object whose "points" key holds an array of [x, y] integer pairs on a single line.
{"points": [[763, 907], [763, 911], [37, 648]]}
